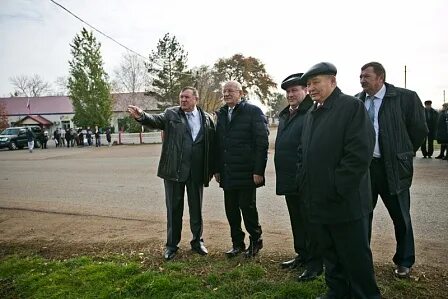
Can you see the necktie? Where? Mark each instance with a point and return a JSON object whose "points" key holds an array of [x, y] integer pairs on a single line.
{"points": [[230, 113], [190, 120], [371, 110]]}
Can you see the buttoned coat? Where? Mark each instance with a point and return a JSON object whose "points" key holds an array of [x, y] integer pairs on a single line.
{"points": [[241, 146], [287, 143], [334, 157]]}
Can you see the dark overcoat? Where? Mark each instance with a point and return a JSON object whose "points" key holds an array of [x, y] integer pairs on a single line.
{"points": [[241, 146], [287, 142], [334, 157], [442, 127], [402, 124]]}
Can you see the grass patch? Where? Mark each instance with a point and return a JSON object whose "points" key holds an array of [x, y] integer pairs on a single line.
{"points": [[140, 276]]}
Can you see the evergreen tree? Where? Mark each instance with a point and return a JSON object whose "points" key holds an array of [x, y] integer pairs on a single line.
{"points": [[168, 66], [87, 84]]}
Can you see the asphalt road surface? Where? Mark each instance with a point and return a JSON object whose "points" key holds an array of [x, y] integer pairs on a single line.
{"points": [[120, 182]]}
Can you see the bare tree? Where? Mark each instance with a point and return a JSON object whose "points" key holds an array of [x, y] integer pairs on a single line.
{"points": [[29, 86], [132, 74], [61, 85]]}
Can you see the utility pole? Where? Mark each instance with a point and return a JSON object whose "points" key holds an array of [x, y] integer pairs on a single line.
{"points": [[405, 76]]}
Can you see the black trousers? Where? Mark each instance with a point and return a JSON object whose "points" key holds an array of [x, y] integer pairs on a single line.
{"points": [[237, 202], [348, 259], [428, 151], [174, 197], [398, 206], [305, 244], [297, 223]]}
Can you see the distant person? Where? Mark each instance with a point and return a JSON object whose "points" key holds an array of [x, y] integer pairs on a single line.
{"points": [[442, 132], [30, 138], [44, 140], [398, 117], [57, 137], [89, 136], [61, 138], [81, 137], [97, 137], [108, 137], [431, 117], [185, 163], [241, 156], [68, 137], [286, 146], [333, 179], [74, 137]]}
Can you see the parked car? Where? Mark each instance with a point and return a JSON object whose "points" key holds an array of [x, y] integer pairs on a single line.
{"points": [[15, 137]]}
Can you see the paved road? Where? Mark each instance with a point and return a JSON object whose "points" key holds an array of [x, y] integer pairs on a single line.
{"points": [[121, 182]]}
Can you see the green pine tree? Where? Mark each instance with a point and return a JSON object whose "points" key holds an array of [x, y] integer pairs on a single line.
{"points": [[168, 66], [87, 84]]}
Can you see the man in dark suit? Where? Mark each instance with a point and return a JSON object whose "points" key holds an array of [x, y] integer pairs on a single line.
{"points": [[185, 162], [241, 156], [286, 145], [432, 118], [333, 179], [398, 117]]}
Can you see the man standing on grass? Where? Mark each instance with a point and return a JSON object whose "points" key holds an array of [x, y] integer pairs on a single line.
{"points": [[185, 163]]}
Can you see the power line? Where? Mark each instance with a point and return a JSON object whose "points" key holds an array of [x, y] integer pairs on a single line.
{"points": [[109, 37], [99, 31]]}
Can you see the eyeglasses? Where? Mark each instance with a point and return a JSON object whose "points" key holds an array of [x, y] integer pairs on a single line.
{"points": [[230, 90]]}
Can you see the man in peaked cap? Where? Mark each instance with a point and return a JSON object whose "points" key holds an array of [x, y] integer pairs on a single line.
{"points": [[285, 159], [333, 180]]}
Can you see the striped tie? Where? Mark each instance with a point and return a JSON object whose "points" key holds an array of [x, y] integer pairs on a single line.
{"points": [[371, 110]]}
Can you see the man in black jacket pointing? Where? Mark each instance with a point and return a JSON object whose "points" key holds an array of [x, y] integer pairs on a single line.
{"points": [[185, 163]]}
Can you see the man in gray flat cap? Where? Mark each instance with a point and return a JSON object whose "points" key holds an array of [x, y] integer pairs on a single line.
{"points": [[333, 177]]}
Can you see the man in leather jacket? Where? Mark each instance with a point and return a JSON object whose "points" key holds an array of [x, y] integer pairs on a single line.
{"points": [[398, 117], [185, 163]]}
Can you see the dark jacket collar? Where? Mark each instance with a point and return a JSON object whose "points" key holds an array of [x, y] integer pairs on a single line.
{"points": [[328, 103], [304, 106]]}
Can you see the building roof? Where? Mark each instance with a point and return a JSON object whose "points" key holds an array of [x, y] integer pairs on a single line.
{"points": [[37, 118], [38, 105], [16, 106]]}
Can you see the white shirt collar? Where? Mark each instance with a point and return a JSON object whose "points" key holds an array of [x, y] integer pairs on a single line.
{"points": [[381, 93]]}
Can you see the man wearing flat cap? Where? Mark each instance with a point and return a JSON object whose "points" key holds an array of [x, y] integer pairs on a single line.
{"points": [[333, 177], [285, 159]]}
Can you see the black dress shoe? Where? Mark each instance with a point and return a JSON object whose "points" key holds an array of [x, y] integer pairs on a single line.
{"points": [[200, 248], [402, 272], [438, 157], [169, 254], [254, 248], [292, 264], [234, 251], [309, 275]]}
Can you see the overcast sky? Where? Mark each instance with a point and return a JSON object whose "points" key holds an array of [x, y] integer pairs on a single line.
{"points": [[288, 36]]}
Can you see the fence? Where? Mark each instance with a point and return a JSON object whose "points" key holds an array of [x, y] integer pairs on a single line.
{"points": [[136, 138]]}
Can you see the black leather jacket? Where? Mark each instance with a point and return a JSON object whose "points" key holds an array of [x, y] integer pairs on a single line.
{"points": [[402, 127], [174, 125]]}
